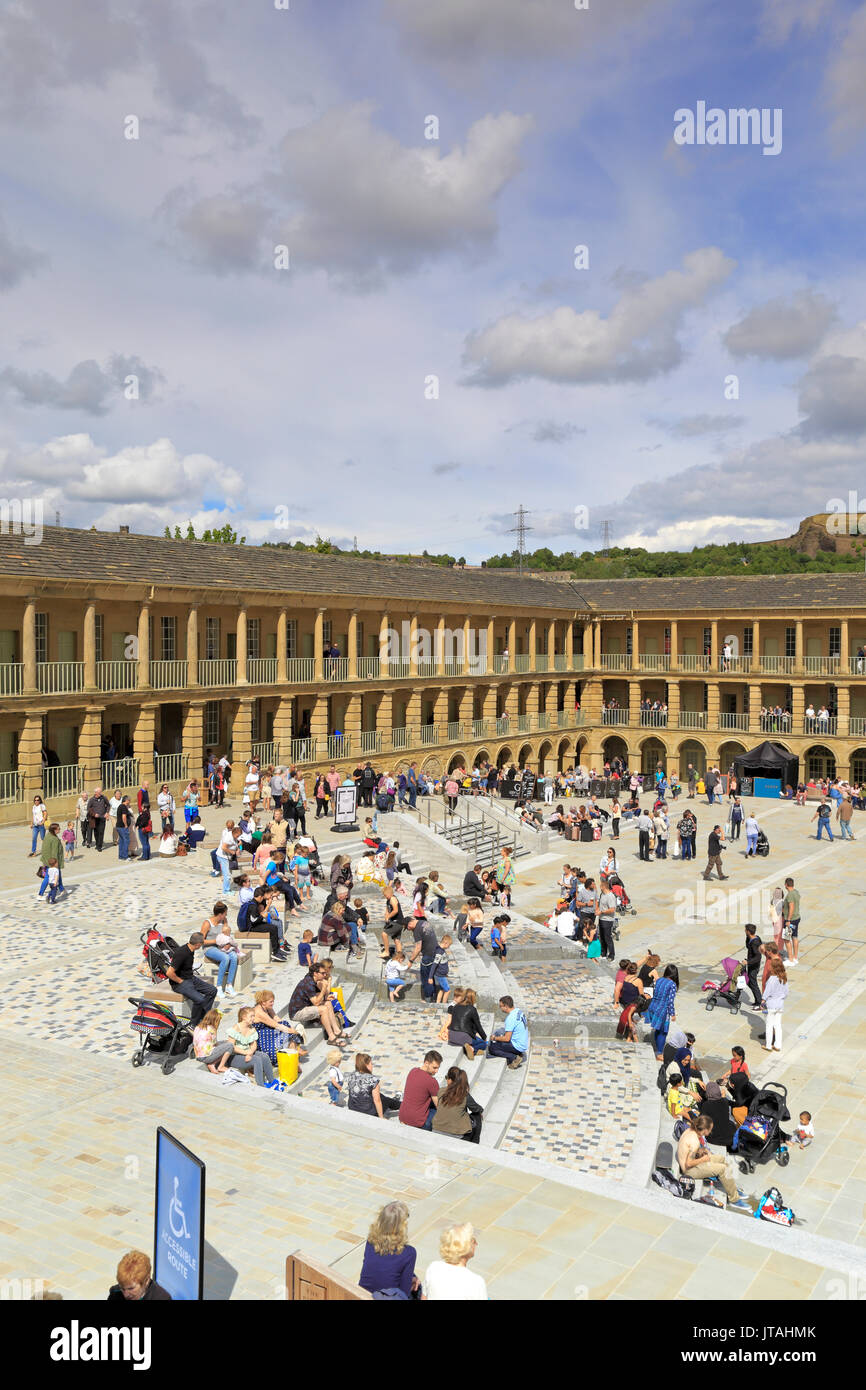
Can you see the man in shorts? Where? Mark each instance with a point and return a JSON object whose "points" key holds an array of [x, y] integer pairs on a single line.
{"points": [[311, 1003], [791, 917]]}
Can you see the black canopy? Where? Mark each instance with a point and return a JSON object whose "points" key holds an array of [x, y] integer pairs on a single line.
{"points": [[769, 760]]}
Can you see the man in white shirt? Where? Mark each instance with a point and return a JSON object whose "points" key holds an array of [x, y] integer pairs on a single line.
{"points": [[644, 829], [564, 922]]}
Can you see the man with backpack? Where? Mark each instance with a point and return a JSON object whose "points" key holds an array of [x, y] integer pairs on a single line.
{"points": [[367, 784], [822, 816]]}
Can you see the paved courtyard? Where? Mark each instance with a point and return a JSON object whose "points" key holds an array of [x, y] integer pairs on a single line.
{"points": [[562, 1205]]}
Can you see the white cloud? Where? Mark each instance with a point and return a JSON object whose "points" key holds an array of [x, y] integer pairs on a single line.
{"points": [[636, 341], [16, 260], [708, 530], [782, 328], [87, 473], [88, 387]]}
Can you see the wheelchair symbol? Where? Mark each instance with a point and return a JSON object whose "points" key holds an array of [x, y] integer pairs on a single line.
{"points": [[175, 1211]]}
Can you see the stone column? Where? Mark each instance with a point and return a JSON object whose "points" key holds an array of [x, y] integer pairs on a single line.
{"points": [[844, 647], [675, 645], [413, 645], [144, 647], [489, 706], [755, 663], [551, 643], [714, 648], [318, 645], [90, 744], [192, 744], [569, 646], [192, 645], [283, 725], [282, 660], [439, 654], [352, 722], [512, 644], [635, 645], [512, 700], [144, 737], [799, 664], [466, 704], [634, 704], [843, 711], [755, 707], [30, 753], [384, 627], [713, 704], [385, 718], [596, 645], [90, 645], [673, 704], [474, 659], [491, 644], [241, 648], [440, 708], [28, 656], [587, 646], [319, 724], [242, 738], [533, 632], [352, 642]]}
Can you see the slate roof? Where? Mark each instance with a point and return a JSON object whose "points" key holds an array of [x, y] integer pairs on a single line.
{"points": [[102, 557]]}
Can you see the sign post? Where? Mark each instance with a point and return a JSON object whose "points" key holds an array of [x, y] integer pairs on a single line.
{"points": [[178, 1241], [345, 808]]}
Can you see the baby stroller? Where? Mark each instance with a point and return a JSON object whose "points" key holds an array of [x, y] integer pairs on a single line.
{"points": [[728, 992], [623, 901], [158, 950], [763, 845], [760, 1137], [160, 1031]]}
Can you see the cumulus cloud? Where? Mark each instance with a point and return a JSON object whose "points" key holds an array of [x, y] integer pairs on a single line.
{"points": [[465, 31], [638, 340], [693, 426], [350, 199], [16, 260], [833, 397], [88, 387], [709, 530], [87, 472], [63, 44], [782, 328]]}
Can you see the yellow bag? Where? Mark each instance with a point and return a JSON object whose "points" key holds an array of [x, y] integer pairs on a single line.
{"points": [[338, 991], [288, 1067], [702, 786]]}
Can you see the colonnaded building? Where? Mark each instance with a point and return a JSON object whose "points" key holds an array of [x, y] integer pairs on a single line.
{"points": [[158, 650]]}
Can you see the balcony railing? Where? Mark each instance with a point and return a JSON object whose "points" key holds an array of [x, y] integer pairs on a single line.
{"points": [[62, 781], [300, 670], [655, 661], [614, 716], [822, 727], [690, 661], [543, 721], [560, 662], [500, 665], [303, 750], [734, 721], [775, 723], [563, 718], [429, 734], [117, 675], [654, 718], [213, 672], [524, 723], [578, 718], [371, 741], [857, 726], [369, 668], [454, 667], [339, 745], [822, 665], [170, 767], [399, 670], [267, 752], [578, 661], [119, 773], [481, 728], [262, 670], [11, 678], [616, 661], [426, 669], [168, 675], [735, 663], [692, 719], [11, 787], [857, 665], [59, 677], [521, 663], [541, 662], [503, 724], [336, 668], [455, 731], [777, 665], [400, 738]]}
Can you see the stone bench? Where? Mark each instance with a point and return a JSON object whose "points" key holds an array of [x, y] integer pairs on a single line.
{"points": [[164, 994], [245, 972]]}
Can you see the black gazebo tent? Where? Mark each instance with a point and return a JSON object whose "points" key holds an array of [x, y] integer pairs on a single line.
{"points": [[768, 760]]}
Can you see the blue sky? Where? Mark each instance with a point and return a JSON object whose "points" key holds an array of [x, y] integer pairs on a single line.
{"points": [[558, 387]]}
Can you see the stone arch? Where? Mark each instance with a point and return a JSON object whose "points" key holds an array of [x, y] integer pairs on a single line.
{"points": [[819, 761], [691, 750], [482, 756], [652, 752], [614, 746], [456, 760], [728, 752], [433, 765], [545, 754], [563, 755], [525, 755], [504, 757], [857, 762]]}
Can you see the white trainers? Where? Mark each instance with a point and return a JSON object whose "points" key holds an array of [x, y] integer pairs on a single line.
{"points": [[230, 989], [220, 994]]}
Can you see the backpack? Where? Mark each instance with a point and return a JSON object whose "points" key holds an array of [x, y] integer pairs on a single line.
{"points": [[677, 1187], [382, 801], [243, 915], [680, 1127], [771, 1207]]}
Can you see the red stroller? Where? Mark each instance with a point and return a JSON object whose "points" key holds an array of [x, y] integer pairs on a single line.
{"points": [[728, 991]]}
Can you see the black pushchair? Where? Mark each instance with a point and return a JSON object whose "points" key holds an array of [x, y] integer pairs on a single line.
{"points": [[760, 1137], [763, 845], [160, 1031], [158, 951]]}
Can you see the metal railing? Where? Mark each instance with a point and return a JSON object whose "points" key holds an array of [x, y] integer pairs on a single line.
{"points": [[369, 668], [11, 678], [426, 669], [521, 663], [117, 675], [541, 662], [63, 780], [429, 734], [335, 668], [735, 663], [300, 670], [822, 665], [543, 721], [690, 661], [734, 721], [399, 670], [857, 726], [777, 665], [212, 671], [500, 665], [578, 661], [822, 727], [455, 731], [857, 665], [170, 767], [614, 716], [262, 670], [11, 787], [563, 718], [371, 741], [560, 661], [454, 667], [775, 723], [303, 750], [654, 718], [654, 661], [339, 745], [578, 718], [267, 752], [692, 719], [400, 738], [616, 661], [168, 675], [59, 677], [503, 724], [481, 728], [119, 772]]}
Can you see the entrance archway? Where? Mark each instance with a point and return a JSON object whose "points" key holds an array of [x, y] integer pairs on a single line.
{"points": [[820, 762], [692, 752], [652, 753], [545, 757], [504, 757]]}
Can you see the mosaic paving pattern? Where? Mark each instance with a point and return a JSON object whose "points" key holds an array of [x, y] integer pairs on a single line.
{"points": [[568, 988], [565, 1116]]}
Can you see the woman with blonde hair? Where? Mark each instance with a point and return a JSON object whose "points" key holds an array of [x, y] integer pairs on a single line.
{"points": [[775, 993], [389, 1263], [448, 1278]]}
